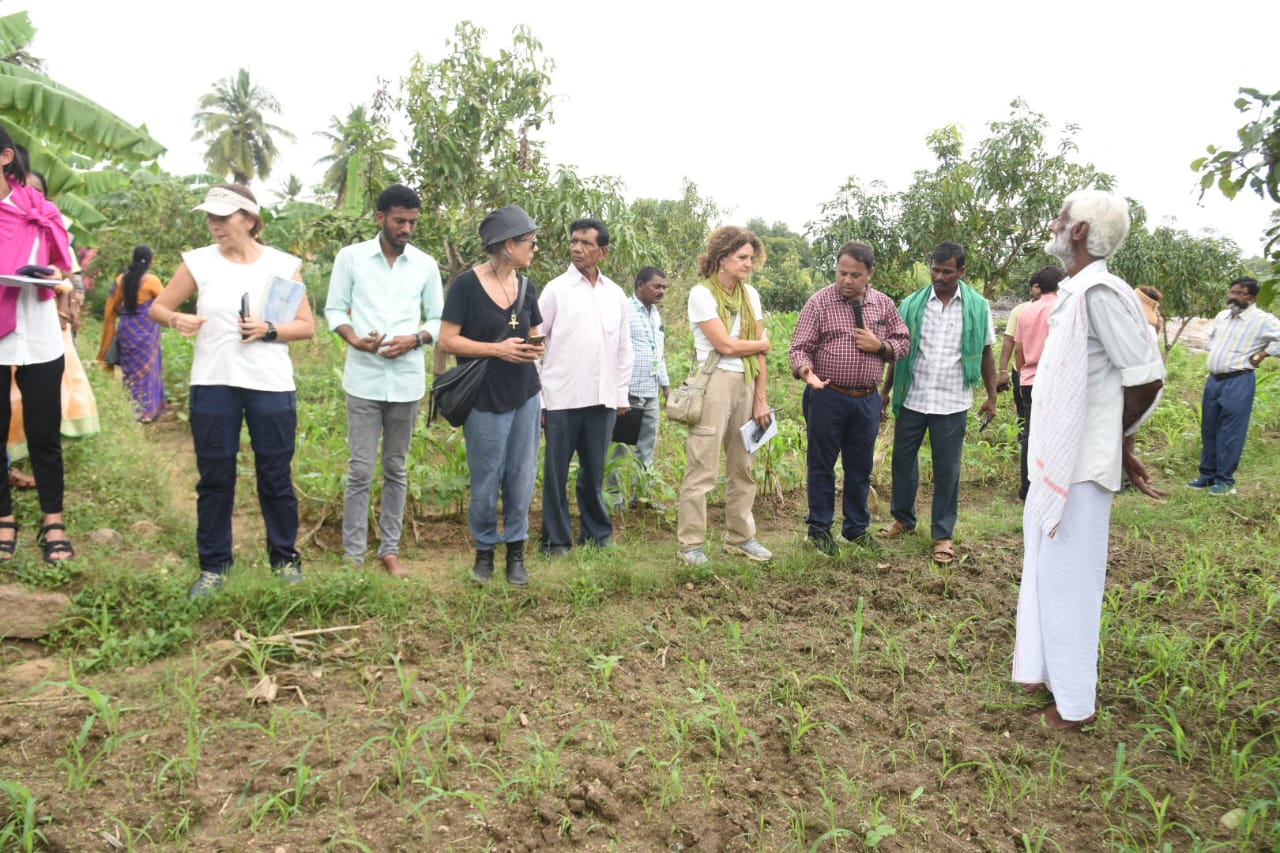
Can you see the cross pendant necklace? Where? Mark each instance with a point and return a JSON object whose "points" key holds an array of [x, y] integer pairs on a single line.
{"points": [[515, 322]]}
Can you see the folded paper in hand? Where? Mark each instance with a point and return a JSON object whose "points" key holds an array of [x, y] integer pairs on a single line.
{"points": [[754, 437], [283, 298]]}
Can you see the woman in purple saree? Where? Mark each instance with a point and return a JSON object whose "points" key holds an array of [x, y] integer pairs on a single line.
{"points": [[139, 335]]}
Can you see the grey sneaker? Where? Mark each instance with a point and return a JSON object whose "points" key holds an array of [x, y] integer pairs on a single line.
{"points": [[695, 557], [207, 584], [290, 572], [751, 549], [868, 543]]}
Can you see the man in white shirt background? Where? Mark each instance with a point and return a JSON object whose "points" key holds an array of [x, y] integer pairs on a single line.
{"points": [[1241, 338], [384, 301], [586, 377], [649, 378]]}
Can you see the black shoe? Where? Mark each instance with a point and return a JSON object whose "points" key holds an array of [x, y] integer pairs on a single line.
{"points": [[823, 543], [482, 571], [868, 543], [517, 575]]}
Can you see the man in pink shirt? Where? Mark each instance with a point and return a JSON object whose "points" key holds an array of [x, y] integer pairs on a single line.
{"points": [[1029, 338], [586, 380]]}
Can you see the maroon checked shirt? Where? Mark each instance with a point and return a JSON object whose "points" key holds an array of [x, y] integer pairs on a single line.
{"points": [[823, 339]]}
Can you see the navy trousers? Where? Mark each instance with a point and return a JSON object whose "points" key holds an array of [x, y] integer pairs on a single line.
{"points": [[843, 426], [217, 412], [587, 432], [1224, 424], [946, 440]]}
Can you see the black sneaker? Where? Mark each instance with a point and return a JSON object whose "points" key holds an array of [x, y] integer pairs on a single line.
{"points": [[868, 543], [823, 543]]}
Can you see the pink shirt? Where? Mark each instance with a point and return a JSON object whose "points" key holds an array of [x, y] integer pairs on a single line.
{"points": [[588, 328], [1033, 329]]}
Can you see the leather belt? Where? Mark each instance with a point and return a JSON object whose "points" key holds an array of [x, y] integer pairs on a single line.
{"points": [[851, 392], [1230, 374]]}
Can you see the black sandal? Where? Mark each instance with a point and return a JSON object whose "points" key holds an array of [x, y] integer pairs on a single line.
{"points": [[53, 547], [10, 546]]}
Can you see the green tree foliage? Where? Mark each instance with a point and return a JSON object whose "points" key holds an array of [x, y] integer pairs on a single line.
{"points": [[1191, 271], [154, 209], [80, 147], [471, 150], [786, 281], [361, 145], [996, 200], [232, 119], [676, 229], [1253, 161]]}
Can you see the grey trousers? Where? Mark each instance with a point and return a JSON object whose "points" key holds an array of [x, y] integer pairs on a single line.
{"points": [[367, 421], [646, 445]]}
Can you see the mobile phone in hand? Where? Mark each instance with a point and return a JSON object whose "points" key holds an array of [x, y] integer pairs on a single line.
{"points": [[244, 312], [35, 271], [535, 340], [986, 422]]}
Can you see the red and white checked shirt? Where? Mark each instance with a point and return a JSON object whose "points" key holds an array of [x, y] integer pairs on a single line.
{"points": [[823, 339]]}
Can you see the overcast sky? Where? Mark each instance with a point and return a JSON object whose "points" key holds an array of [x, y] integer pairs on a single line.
{"points": [[768, 108]]}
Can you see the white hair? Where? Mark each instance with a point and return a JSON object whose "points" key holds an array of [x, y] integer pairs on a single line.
{"points": [[1108, 218]]}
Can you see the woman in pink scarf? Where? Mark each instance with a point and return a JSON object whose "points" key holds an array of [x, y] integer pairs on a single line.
{"points": [[31, 232]]}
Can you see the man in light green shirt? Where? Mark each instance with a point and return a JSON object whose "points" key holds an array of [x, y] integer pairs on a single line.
{"points": [[385, 300]]}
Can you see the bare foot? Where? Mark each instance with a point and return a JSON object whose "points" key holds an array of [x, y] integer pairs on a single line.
{"points": [[392, 562], [1033, 689], [1051, 718], [21, 480]]}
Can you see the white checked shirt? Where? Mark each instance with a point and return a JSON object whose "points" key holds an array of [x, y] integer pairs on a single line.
{"points": [[1236, 337], [648, 343], [937, 383]]}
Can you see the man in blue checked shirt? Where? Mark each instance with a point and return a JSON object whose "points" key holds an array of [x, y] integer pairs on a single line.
{"points": [[649, 372], [385, 301], [1242, 337]]}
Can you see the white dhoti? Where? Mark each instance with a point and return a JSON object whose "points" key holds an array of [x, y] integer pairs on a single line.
{"points": [[1060, 601]]}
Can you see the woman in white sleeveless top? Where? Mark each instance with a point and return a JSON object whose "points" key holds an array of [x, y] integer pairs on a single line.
{"points": [[240, 372]]}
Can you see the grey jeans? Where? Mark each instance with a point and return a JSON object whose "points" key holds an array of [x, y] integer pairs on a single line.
{"points": [[646, 443], [367, 421]]}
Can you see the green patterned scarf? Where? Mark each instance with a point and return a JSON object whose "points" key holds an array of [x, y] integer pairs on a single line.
{"points": [[728, 304]]}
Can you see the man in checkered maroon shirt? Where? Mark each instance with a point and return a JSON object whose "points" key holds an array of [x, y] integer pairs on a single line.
{"points": [[846, 334]]}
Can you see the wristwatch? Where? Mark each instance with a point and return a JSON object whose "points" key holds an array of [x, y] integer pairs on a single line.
{"points": [[271, 334], [424, 338]]}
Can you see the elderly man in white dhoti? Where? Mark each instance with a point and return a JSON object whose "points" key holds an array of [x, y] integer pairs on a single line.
{"points": [[1099, 377]]}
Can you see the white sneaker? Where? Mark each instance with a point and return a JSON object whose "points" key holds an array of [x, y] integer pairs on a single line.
{"points": [[751, 549], [695, 557]]}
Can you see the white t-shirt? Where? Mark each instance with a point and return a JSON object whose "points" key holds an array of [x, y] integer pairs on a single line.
{"points": [[702, 307], [220, 358], [37, 335]]}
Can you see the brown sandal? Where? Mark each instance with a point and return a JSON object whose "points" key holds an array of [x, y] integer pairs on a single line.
{"points": [[893, 531], [943, 553]]}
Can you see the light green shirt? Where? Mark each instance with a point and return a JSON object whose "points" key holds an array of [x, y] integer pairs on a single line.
{"points": [[372, 296]]}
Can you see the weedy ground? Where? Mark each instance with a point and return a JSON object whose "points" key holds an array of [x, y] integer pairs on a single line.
{"points": [[623, 701]]}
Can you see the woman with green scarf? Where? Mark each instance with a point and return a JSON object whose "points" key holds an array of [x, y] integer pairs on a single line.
{"points": [[725, 314]]}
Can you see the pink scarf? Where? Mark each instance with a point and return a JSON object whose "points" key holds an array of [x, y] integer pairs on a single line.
{"points": [[1062, 378], [30, 216]]}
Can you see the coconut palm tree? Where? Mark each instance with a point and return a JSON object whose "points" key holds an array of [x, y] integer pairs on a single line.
{"points": [[232, 119], [360, 144]]}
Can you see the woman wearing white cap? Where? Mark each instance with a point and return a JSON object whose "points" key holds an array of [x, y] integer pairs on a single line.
{"points": [[239, 372], [491, 312]]}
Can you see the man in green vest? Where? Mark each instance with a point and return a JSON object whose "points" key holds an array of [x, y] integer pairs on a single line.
{"points": [[931, 390]]}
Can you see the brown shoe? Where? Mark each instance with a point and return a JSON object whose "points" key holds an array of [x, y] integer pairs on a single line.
{"points": [[893, 531], [392, 562], [943, 552]]}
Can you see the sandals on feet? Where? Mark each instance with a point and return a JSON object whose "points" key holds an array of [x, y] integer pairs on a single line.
{"points": [[55, 550], [8, 546], [943, 552], [893, 531]]}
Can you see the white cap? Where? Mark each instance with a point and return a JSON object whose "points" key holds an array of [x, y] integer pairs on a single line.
{"points": [[223, 202]]}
